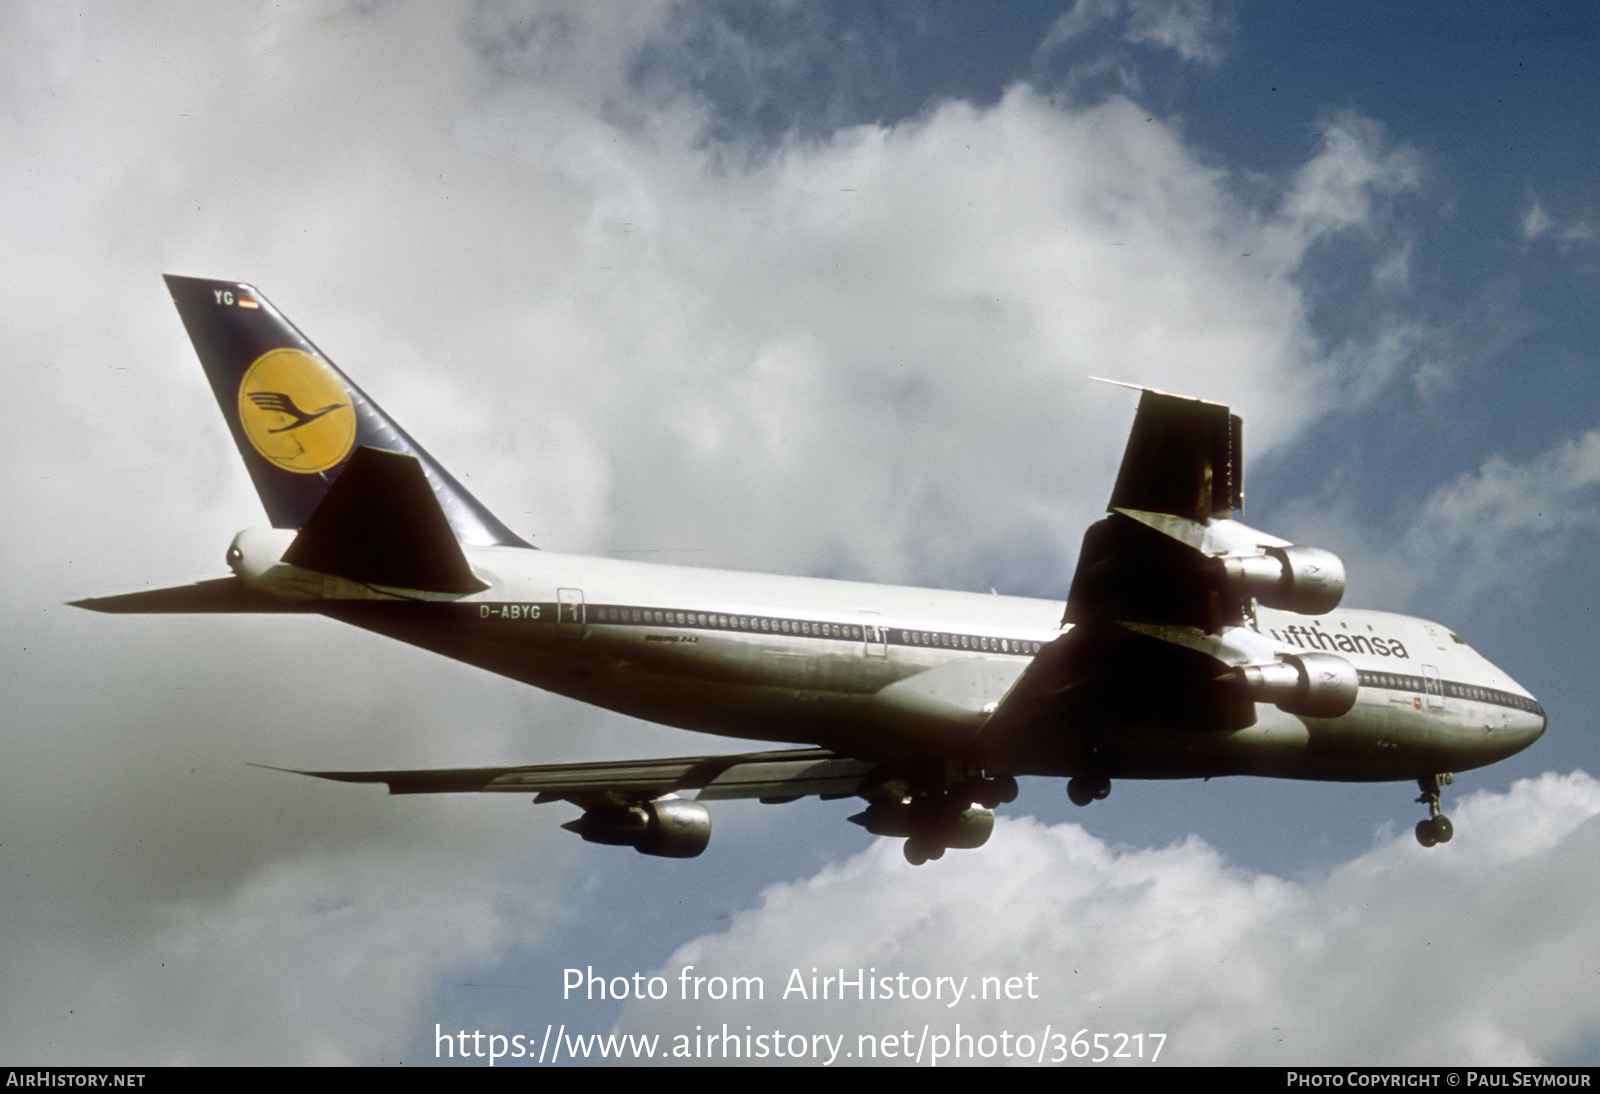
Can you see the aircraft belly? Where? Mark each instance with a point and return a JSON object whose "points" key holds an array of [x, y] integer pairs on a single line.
{"points": [[906, 701], [739, 688], [1375, 742]]}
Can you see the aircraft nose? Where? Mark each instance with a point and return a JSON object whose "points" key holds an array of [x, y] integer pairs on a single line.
{"points": [[1528, 723]]}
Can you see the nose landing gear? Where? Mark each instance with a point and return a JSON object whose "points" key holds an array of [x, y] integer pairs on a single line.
{"points": [[1437, 828]]}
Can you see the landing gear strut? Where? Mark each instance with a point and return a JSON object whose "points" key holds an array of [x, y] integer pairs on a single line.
{"points": [[990, 792], [1437, 828], [1088, 788]]}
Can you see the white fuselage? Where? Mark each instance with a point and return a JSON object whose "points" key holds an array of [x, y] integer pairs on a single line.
{"points": [[884, 672]]}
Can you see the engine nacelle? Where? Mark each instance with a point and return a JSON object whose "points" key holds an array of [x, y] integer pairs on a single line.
{"points": [[678, 829], [933, 821], [1311, 685], [1305, 580], [969, 828], [668, 828]]}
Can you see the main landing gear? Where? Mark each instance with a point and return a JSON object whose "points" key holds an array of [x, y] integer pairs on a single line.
{"points": [[935, 819], [1088, 788], [1437, 828], [962, 817]]}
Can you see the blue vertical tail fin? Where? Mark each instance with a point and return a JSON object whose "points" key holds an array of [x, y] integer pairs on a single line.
{"points": [[298, 420]]}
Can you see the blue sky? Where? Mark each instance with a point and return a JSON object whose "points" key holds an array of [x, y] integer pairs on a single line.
{"points": [[804, 289]]}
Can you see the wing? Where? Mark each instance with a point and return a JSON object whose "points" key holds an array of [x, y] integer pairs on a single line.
{"points": [[782, 775], [1170, 553], [1164, 585], [633, 803], [1148, 560]]}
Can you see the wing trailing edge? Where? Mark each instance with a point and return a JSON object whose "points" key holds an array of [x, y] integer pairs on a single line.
{"points": [[781, 775]]}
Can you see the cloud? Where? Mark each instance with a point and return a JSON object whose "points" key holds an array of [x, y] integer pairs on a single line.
{"points": [[319, 959], [687, 334], [1340, 187], [1537, 224], [1507, 524], [1393, 272], [861, 353], [1397, 956], [1198, 31], [1490, 538], [1492, 533]]}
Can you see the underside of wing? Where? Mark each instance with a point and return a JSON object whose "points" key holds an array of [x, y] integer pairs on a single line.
{"points": [[634, 803], [782, 775]]}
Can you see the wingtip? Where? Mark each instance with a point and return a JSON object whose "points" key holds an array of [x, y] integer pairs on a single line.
{"points": [[285, 770], [331, 776], [1147, 389], [1117, 383]]}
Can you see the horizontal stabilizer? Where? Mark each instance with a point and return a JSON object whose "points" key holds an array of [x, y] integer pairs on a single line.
{"points": [[223, 595], [784, 774], [380, 523]]}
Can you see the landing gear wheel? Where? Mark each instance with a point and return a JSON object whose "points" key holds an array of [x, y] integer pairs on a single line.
{"points": [[1085, 789], [1437, 828], [916, 853]]}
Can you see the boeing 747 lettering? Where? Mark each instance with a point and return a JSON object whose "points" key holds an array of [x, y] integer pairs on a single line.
{"points": [[1189, 645]]}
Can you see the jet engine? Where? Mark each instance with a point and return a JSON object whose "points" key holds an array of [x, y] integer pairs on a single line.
{"points": [[935, 822], [968, 829], [1312, 685], [668, 828], [1304, 580]]}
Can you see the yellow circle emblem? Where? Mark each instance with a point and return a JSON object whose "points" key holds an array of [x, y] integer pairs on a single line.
{"points": [[296, 412]]}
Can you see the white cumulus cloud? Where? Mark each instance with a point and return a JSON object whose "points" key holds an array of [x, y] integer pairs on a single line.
{"points": [[861, 353], [1398, 956]]}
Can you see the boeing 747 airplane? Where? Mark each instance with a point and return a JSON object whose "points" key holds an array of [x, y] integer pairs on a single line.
{"points": [[1189, 645]]}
